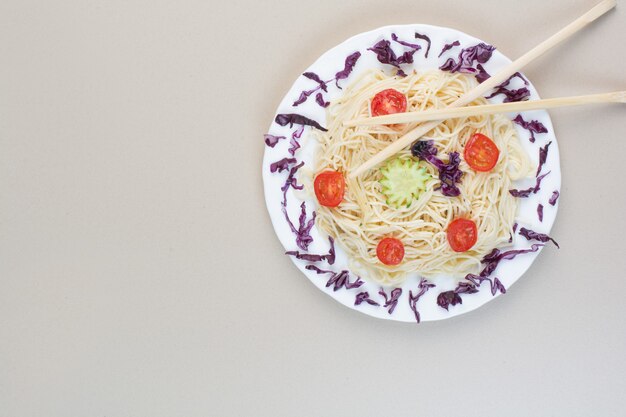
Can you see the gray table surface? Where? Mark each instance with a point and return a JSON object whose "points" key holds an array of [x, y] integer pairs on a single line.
{"points": [[139, 271]]}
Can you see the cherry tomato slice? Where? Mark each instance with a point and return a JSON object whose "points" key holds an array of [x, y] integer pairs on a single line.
{"points": [[390, 251], [388, 102], [462, 234], [480, 153], [329, 188]]}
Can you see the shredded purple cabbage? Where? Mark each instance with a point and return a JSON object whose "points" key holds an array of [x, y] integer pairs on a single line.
{"points": [[364, 297], [423, 287], [304, 95], [271, 140], [540, 212], [282, 165], [292, 182], [514, 230], [495, 284], [313, 76], [394, 38], [543, 156], [533, 126], [480, 54], [392, 301], [521, 94], [532, 190], [348, 67], [386, 55], [294, 144], [447, 47], [293, 118], [453, 297], [337, 279], [482, 74], [309, 257], [449, 173], [425, 38], [554, 198], [540, 237], [319, 99], [493, 258], [303, 232]]}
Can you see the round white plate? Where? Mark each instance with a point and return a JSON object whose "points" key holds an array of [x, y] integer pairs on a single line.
{"points": [[326, 67]]}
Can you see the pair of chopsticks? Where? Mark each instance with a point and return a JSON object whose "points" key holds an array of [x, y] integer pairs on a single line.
{"points": [[456, 109]]}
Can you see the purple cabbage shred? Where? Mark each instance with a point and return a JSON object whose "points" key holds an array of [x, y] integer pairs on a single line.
{"points": [[391, 301], [337, 279], [313, 76], [453, 297], [482, 75], [543, 156], [394, 38], [554, 198], [479, 54], [386, 55], [533, 126], [348, 67], [540, 212], [449, 173], [282, 165], [532, 190], [309, 257], [319, 99], [364, 297], [521, 94], [423, 287], [447, 47], [271, 140], [294, 144], [425, 38], [540, 237], [303, 232], [293, 118]]}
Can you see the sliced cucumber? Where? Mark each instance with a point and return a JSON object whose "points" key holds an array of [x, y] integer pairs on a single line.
{"points": [[403, 180]]}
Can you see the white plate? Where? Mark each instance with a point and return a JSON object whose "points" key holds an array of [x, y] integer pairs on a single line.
{"points": [[326, 66]]}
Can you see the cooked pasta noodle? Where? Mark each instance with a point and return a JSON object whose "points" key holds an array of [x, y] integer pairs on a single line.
{"points": [[363, 218]]}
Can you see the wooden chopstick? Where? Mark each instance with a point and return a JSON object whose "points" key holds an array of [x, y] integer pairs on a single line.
{"points": [[498, 78], [455, 112]]}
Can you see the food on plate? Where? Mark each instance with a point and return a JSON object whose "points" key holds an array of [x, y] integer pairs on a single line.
{"points": [[436, 208]]}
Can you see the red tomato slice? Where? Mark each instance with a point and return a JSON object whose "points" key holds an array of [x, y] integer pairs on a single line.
{"points": [[481, 154], [390, 251], [388, 102], [462, 234], [329, 188]]}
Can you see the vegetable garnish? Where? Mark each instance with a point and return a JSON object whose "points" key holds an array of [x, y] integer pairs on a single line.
{"points": [[423, 287], [447, 47], [532, 235], [481, 153], [392, 301], [479, 53], [540, 212], [533, 126], [310, 257], [403, 180], [462, 234], [329, 188], [449, 173], [390, 251], [425, 38], [271, 140], [554, 198], [364, 297], [388, 101], [543, 156], [293, 118], [386, 55], [531, 190]]}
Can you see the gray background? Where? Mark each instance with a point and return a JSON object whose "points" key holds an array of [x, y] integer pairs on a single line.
{"points": [[139, 271]]}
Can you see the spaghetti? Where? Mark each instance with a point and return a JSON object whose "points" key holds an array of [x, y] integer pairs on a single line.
{"points": [[364, 218]]}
